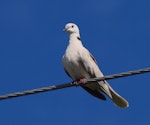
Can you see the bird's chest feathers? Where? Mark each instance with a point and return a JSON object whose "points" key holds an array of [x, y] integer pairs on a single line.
{"points": [[73, 55], [74, 64]]}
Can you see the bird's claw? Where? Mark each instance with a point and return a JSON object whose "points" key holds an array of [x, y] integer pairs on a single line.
{"points": [[82, 81], [79, 82]]}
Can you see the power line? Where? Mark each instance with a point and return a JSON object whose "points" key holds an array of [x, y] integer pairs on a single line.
{"points": [[88, 81], [123, 74]]}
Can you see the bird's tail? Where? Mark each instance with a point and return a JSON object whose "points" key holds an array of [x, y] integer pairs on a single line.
{"points": [[115, 97]]}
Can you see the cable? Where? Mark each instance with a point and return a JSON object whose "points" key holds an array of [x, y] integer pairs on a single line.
{"points": [[123, 74], [88, 81]]}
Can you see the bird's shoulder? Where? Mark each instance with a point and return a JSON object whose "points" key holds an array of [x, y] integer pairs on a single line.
{"points": [[87, 52]]}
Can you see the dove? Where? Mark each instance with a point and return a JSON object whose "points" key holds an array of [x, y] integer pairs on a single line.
{"points": [[80, 64]]}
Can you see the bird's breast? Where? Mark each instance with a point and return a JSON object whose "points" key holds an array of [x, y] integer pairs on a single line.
{"points": [[72, 64]]}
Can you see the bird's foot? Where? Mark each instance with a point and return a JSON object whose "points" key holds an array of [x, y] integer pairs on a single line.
{"points": [[82, 81], [79, 82]]}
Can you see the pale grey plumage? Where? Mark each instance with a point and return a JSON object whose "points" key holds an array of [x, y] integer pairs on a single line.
{"points": [[79, 63]]}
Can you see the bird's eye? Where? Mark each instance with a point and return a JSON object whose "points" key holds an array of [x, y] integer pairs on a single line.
{"points": [[72, 26]]}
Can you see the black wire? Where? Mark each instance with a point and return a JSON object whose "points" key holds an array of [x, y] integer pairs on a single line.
{"points": [[123, 74], [88, 81]]}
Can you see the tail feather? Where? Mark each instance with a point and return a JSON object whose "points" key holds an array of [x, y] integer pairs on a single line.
{"points": [[117, 99], [105, 88], [114, 96]]}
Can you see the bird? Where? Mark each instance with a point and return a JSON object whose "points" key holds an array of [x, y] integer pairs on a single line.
{"points": [[79, 64]]}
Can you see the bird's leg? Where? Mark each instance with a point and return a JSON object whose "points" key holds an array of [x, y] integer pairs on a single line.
{"points": [[82, 81], [79, 82]]}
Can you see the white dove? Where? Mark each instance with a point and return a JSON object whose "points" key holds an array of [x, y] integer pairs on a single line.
{"points": [[80, 64]]}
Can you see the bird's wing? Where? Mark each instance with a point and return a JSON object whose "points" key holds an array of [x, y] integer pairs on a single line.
{"points": [[90, 66], [93, 57], [90, 63]]}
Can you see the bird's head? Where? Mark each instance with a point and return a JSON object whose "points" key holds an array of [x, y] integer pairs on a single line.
{"points": [[71, 28]]}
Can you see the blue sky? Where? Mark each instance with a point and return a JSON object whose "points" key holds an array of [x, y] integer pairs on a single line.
{"points": [[32, 43]]}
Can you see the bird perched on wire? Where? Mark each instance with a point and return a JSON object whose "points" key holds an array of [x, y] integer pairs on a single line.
{"points": [[79, 64]]}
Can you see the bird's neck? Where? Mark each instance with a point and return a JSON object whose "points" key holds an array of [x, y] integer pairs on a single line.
{"points": [[74, 38]]}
